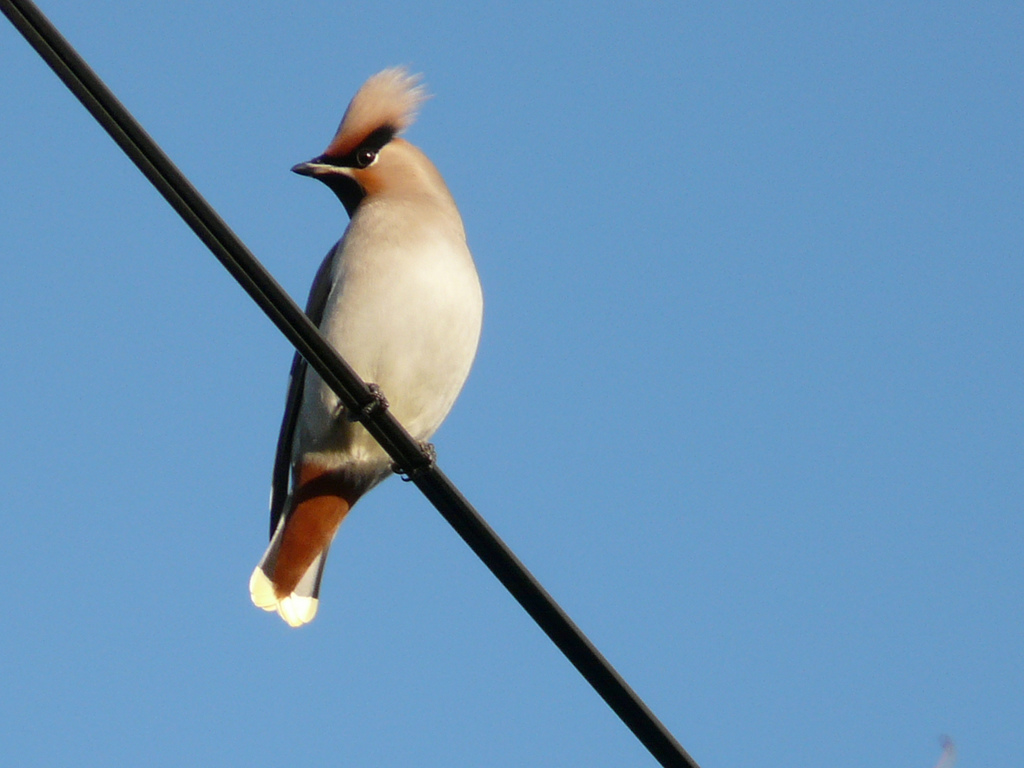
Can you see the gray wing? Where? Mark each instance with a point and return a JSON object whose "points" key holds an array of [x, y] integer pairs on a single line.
{"points": [[281, 479]]}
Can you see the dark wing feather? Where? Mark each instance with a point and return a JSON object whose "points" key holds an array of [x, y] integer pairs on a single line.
{"points": [[283, 460], [281, 480]]}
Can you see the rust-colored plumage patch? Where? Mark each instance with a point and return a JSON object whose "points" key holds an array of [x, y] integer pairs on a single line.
{"points": [[320, 502], [388, 99]]}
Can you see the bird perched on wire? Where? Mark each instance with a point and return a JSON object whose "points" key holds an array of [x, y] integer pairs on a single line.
{"points": [[399, 299]]}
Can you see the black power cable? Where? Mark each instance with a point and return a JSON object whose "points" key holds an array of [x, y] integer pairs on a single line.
{"points": [[416, 463]]}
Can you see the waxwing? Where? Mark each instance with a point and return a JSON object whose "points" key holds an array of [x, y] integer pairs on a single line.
{"points": [[399, 299]]}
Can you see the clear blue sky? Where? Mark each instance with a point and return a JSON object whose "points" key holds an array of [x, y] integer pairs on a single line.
{"points": [[749, 398]]}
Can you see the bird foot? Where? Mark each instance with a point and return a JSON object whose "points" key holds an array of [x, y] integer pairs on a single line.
{"points": [[429, 456], [377, 403]]}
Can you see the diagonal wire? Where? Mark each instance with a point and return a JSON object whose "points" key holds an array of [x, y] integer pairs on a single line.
{"points": [[353, 392]]}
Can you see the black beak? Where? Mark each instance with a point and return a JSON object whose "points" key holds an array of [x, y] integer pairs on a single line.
{"points": [[309, 168]]}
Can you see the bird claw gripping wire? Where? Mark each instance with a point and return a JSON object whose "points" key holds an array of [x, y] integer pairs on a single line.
{"points": [[377, 403], [429, 453]]}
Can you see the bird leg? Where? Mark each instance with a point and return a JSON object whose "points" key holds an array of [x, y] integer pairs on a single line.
{"points": [[429, 453], [376, 403]]}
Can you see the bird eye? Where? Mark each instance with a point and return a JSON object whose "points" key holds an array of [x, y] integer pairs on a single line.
{"points": [[365, 156]]}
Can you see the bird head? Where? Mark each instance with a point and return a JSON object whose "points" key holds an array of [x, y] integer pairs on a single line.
{"points": [[366, 157]]}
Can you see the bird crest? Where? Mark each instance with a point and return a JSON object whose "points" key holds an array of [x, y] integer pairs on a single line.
{"points": [[389, 100]]}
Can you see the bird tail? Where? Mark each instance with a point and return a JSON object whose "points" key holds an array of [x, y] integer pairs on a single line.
{"points": [[287, 579]]}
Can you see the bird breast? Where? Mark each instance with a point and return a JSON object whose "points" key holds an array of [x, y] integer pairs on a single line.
{"points": [[405, 312]]}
